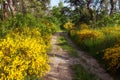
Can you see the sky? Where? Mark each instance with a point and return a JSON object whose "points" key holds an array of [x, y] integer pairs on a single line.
{"points": [[55, 2]]}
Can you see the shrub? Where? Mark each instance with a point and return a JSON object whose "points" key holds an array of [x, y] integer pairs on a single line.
{"points": [[68, 26], [112, 20], [95, 40], [47, 27], [112, 56], [90, 40], [23, 55], [21, 21], [89, 34], [112, 31], [56, 21], [84, 26]]}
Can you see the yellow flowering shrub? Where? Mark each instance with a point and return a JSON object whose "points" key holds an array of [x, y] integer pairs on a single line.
{"points": [[109, 29], [23, 55], [112, 56], [114, 32], [69, 25], [84, 26], [89, 34]]}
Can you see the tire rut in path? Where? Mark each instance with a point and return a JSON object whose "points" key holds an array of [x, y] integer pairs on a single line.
{"points": [[61, 62]]}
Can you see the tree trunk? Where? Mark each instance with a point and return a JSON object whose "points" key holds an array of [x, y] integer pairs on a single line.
{"points": [[22, 3], [106, 6], [90, 10], [5, 10], [112, 6], [11, 6], [119, 4]]}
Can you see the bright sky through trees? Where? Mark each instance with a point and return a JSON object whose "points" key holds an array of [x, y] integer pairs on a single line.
{"points": [[55, 2]]}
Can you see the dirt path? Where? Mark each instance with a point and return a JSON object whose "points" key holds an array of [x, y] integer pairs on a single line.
{"points": [[61, 62]]}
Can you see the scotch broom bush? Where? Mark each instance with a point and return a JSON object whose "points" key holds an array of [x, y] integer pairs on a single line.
{"points": [[23, 55], [84, 26], [68, 26], [112, 56]]}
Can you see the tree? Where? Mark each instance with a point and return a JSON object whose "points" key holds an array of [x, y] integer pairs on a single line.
{"points": [[5, 9], [80, 9], [35, 7], [92, 8], [11, 5]]}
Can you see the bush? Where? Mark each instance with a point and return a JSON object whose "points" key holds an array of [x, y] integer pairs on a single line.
{"points": [[23, 55], [112, 56], [90, 40], [84, 26], [112, 20], [68, 25], [21, 21], [94, 40], [89, 34]]}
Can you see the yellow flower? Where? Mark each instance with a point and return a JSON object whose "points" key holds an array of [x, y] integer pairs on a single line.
{"points": [[89, 34], [112, 55], [84, 26], [68, 25], [23, 55]]}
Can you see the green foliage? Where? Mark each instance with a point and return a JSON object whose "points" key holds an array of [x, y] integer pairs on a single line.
{"points": [[94, 40], [58, 17], [19, 21], [56, 22], [28, 20], [82, 74], [1, 15], [108, 20], [83, 11]]}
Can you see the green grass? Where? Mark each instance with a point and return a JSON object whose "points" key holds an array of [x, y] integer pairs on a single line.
{"points": [[64, 44], [82, 74]]}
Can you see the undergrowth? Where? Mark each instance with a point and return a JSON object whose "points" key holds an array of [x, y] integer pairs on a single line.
{"points": [[82, 74]]}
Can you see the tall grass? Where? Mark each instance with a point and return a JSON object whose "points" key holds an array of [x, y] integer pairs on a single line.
{"points": [[82, 74]]}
